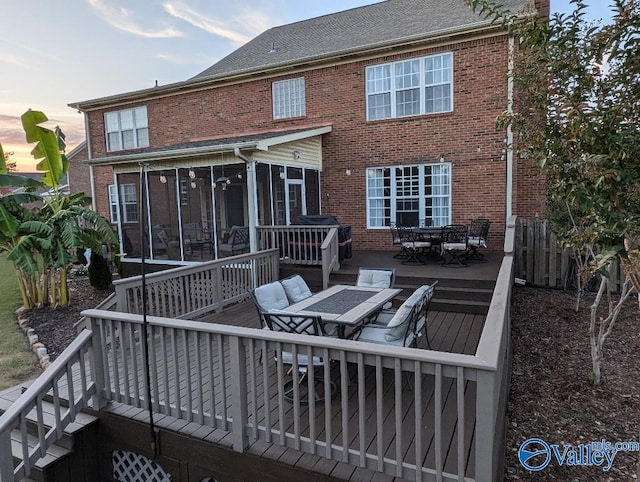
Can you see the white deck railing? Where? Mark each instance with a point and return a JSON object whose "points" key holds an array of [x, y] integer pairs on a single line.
{"points": [[305, 245], [407, 412], [190, 291], [69, 393]]}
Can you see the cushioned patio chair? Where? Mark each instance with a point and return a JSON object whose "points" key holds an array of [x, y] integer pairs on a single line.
{"points": [[301, 325], [269, 297], [413, 245], [295, 288], [238, 241], [402, 327], [454, 243], [377, 278]]}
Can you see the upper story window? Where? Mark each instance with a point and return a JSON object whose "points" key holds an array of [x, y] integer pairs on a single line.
{"points": [[127, 129], [288, 98], [410, 87], [128, 202]]}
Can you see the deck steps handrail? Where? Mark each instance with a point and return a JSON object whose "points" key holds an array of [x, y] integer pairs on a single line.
{"points": [[68, 395]]}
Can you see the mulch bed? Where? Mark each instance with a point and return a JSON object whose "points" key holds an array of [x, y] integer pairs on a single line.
{"points": [[551, 396]]}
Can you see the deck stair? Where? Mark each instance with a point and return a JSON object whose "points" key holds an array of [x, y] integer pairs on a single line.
{"points": [[466, 290], [63, 460]]}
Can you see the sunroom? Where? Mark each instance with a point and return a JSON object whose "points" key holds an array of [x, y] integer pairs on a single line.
{"points": [[200, 201]]}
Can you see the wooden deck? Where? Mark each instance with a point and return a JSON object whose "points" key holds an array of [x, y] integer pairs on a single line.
{"points": [[452, 332]]}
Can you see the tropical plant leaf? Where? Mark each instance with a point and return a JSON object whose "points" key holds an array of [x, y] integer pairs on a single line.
{"points": [[17, 180], [3, 162], [47, 151], [8, 222]]}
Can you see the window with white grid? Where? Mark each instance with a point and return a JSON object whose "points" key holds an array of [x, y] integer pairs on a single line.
{"points": [[409, 195], [410, 87], [126, 129], [129, 203], [288, 98]]}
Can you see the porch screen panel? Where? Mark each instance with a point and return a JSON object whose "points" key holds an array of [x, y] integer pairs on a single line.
{"points": [[196, 213], [165, 227], [263, 177], [128, 209]]}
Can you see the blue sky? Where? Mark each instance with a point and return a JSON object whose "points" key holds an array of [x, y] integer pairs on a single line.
{"points": [[55, 53]]}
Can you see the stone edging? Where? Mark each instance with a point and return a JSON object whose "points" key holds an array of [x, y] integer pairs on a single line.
{"points": [[36, 346]]}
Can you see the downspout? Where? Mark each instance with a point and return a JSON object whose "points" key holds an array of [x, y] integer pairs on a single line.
{"points": [[252, 200], [509, 146]]}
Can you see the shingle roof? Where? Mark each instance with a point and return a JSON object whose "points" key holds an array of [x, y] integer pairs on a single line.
{"points": [[385, 23]]}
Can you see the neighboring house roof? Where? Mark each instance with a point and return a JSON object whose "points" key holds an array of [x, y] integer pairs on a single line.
{"points": [[259, 141], [356, 30], [63, 186], [365, 29]]}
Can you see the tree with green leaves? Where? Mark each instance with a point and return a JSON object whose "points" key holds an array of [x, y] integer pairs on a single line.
{"points": [[40, 240], [577, 111]]}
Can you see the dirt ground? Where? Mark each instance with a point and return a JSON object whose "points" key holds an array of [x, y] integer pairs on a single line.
{"points": [[551, 396]]}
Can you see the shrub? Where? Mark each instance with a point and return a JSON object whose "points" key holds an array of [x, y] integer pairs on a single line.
{"points": [[99, 272]]}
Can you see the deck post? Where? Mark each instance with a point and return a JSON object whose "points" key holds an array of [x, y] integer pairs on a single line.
{"points": [[96, 362], [486, 409], [6, 459], [239, 409]]}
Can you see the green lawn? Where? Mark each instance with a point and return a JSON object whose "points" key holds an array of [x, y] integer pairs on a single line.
{"points": [[17, 362]]}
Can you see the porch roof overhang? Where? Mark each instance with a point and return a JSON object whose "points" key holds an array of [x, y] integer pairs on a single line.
{"points": [[262, 141]]}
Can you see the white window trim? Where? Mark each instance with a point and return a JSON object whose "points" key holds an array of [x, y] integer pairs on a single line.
{"points": [[137, 143], [422, 87], [119, 202], [288, 98], [422, 198]]}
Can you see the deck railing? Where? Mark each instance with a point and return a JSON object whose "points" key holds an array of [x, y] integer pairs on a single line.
{"points": [[68, 393], [306, 245], [190, 291], [416, 414]]}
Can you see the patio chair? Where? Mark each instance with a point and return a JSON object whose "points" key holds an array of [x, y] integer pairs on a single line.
{"points": [[477, 238], [454, 243], [269, 297], [413, 245], [377, 278], [295, 288], [238, 241], [402, 327], [302, 325], [397, 240]]}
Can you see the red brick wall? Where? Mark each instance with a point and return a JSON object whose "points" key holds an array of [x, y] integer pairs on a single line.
{"points": [[467, 136]]}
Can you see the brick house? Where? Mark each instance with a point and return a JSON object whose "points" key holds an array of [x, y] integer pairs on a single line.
{"points": [[379, 114]]}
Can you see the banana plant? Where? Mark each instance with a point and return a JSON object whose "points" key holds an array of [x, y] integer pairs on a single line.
{"points": [[39, 240]]}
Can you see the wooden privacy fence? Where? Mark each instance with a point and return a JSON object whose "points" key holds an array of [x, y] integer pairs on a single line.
{"points": [[542, 261]]}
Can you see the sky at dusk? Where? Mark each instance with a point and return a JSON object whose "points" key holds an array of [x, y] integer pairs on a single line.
{"points": [[56, 53]]}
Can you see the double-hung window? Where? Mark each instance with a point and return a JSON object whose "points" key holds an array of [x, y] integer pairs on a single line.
{"points": [[127, 129], [128, 200], [288, 98], [409, 195], [410, 87]]}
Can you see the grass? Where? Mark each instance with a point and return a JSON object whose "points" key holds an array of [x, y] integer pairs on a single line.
{"points": [[17, 362]]}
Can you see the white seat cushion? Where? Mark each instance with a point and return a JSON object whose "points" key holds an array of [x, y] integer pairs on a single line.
{"points": [[271, 296], [373, 334], [374, 278], [296, 288], [397, 324], [454, 246]]}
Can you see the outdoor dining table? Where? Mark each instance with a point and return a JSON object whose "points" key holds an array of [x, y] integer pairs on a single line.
{"points": [[345, 305]]}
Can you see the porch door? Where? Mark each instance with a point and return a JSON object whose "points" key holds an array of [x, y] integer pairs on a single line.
{"points": [[295, 199]]}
